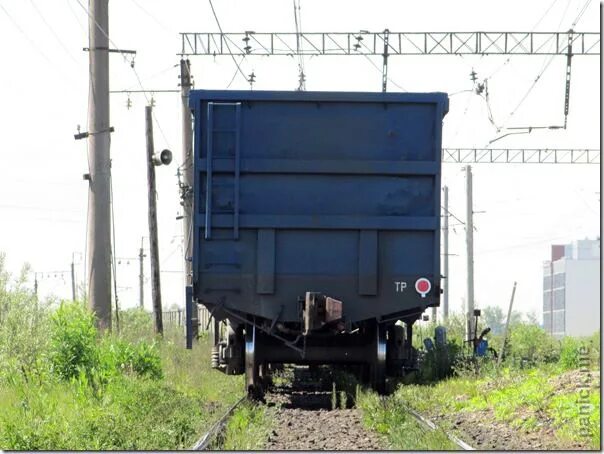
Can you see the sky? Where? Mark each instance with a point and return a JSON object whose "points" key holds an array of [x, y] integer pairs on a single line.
{"points": [[520, 209]]}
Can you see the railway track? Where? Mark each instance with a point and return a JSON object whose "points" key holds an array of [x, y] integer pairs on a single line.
{"points": [[432, 426], [311, 415], [205, 441]]}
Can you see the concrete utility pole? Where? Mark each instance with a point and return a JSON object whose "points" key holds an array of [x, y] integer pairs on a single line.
{"points": [[99, 225], [73, 282], [507, 326], [153, 241], [445, 312], [187, 184], [469, 254], [141, 276]]}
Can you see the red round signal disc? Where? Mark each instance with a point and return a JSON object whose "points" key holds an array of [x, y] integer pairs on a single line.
{"points": [[422, 286]]}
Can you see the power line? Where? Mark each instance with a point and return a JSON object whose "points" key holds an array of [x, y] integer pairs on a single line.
{"points": [[226, 42], [507, 60], [158, 73], [546, 64], [454, 217], [578, 18], [235, 73], [30, 41], [77, 19], [378, 68], [462, 122], [153, 17], [53, 32], [117, 49], [298, 23], [132, 66]]}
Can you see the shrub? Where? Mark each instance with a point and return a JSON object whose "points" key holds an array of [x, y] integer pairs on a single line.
{"points": [[146, 361], [136, 324], [23, 328], [569, 353], [119, 356], [73, 340], [439, 362], [529, 345]]}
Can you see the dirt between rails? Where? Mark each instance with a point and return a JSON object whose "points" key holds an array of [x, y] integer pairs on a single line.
{"points": [[305, 421]]}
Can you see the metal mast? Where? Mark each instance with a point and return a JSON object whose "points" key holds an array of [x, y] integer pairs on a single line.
{"points": [[99, 225], [385, 63], [469, 255], [445, 312]]}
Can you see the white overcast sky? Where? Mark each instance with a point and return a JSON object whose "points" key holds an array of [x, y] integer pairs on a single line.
{"points": [[43, 97]]}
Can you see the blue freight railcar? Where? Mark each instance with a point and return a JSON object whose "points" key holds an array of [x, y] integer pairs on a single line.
{"points": [[316, 226]]}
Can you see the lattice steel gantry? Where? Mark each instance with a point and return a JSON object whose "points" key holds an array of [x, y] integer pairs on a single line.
{"points": [[398, 43]]}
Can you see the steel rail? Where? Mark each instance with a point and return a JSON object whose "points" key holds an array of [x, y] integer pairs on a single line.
{"points": [[204, 442], [432, 426]]}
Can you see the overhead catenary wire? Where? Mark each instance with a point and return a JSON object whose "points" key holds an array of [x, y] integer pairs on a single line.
{"points": [[235, 73], [299, 45], [465, 111], [77, 19], [507, 60], [580, 15], [34, 45], [156, 74], [380, 69], [226, 41], [53, 32], [453, 216], [546, 63], [152, 16]]}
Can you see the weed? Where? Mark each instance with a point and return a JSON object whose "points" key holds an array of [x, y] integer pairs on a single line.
{"points": [[65, 387], [387, 416], [72, 340], [571, 419], [248, 428]]}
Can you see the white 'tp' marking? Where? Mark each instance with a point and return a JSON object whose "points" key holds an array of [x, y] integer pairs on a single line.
{"points": [[400, 286]]}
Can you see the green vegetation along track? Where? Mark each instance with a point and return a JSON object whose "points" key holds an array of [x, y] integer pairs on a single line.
{"points": [[208, 438]]}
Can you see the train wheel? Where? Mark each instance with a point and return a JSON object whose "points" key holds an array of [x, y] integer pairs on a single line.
{"points": [[378, 368], [252, 365]]}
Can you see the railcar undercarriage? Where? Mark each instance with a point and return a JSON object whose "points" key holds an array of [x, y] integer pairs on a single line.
{"points": [[372, 348]]}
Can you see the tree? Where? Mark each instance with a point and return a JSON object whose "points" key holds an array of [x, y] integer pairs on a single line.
{"points": [[493, 317]]}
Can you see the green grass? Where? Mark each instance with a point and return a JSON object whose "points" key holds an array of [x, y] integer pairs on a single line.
{"points": [[517, 398], [248, 428], [131, 414], [64, 386], [571, 422], [388, 417]]}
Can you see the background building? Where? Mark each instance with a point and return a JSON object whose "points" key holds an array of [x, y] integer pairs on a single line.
{"points": [[573, 295]]}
